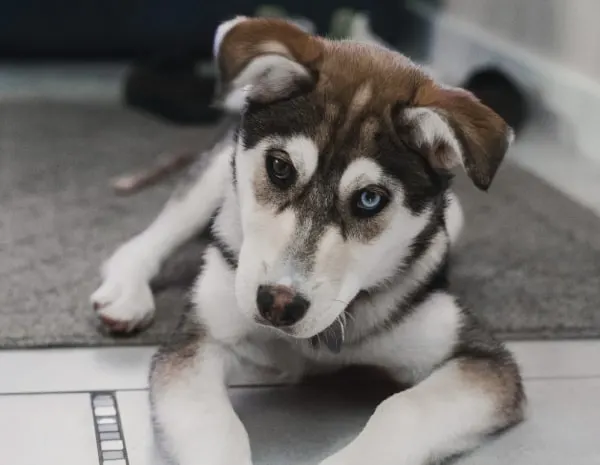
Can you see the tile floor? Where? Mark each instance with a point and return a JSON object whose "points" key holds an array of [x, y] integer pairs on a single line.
{"points": [[89, 406]]}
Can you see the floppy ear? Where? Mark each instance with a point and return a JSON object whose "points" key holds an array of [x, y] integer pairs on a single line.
{"points": [[452, 127], [263, 60]]}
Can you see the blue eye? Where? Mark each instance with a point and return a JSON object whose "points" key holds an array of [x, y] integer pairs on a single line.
{"points": [[369, 200]]}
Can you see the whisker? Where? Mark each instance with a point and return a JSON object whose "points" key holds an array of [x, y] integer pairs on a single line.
{"points": [[350, 316], [319, 343], [342, 328]]}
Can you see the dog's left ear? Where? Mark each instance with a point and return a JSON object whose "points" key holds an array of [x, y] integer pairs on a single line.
{"points": [[263, 60], [452, 127]]}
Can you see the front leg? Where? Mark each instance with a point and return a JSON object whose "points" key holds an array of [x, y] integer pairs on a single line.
{"points": [[193, 417], [476, 393], [124, 301]]}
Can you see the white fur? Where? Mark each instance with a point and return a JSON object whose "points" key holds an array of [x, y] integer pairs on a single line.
{"points": [[125, 294], [360, 173], [369, 313], [222, 31], [212, 293], [265, 75], [304, 154], [424, 338], [455, 219], [197, 421], [432, 127]]}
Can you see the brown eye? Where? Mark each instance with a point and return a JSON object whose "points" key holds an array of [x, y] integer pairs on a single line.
{"points": [[281, 169], [281, 172]]}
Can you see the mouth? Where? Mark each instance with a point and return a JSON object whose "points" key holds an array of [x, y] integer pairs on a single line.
{"points": [[261, 321], [332, 336]]}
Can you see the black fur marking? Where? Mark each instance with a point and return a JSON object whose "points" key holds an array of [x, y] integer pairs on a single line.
{"points": [[218, 243], [476, 341], [422, 242], [225, 251], [331, 338], [420, 181], [296, 116], [232, 164], [436, 280]]}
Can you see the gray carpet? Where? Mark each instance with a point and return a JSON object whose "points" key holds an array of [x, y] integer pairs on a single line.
{"points": [[529, 262]]}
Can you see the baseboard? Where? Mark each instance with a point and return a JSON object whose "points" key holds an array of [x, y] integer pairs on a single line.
{"points": [[458, 47]]}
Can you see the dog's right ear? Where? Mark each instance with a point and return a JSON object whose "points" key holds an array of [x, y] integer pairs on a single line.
{"points": [[263, 60]]}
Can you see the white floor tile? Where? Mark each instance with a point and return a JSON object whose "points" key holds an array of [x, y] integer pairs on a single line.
{"points": [[558, 359], [293, 427], [563, 428], [74, 370], [55, 429]]}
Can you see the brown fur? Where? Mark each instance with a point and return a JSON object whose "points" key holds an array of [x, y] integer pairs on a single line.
{"points": [[501, 379], [180, 352], [360, 79], [256, 37]]}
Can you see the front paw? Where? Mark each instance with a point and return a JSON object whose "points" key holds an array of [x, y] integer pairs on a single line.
{"points": [[123, 303]]}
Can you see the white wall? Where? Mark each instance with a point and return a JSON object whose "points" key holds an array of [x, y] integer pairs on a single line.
{"points": [[565, 31], [551, 46]]}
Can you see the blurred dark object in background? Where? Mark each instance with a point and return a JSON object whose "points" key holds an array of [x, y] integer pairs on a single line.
{"points": [[147, 29], [111, 29], [172, 90], [502, 94]]}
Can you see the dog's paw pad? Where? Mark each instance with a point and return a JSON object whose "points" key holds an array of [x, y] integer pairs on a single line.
{"points": [[123, 304], [114, 326]]}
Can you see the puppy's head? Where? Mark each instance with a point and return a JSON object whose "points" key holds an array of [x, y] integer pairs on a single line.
{"points": [[343, 152]]}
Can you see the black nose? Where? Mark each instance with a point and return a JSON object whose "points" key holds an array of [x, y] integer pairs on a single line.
{"points": [[281, 305]]}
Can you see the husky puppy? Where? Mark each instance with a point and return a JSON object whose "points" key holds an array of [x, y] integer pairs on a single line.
{"points": [[332, 218]]}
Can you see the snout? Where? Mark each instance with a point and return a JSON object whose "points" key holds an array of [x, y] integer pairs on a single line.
{"points": [[281, 305]]}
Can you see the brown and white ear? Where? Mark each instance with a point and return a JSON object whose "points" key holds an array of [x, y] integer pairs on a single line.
{"points": [[452, 127], [263, 60]]}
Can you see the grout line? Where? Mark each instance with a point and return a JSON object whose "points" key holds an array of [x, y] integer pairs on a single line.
{"points": [[84, 391], [563, 378], [138, 389], [110, 439]]}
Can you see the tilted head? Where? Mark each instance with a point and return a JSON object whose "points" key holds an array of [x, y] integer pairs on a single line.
{"points": [[342, 159]]}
